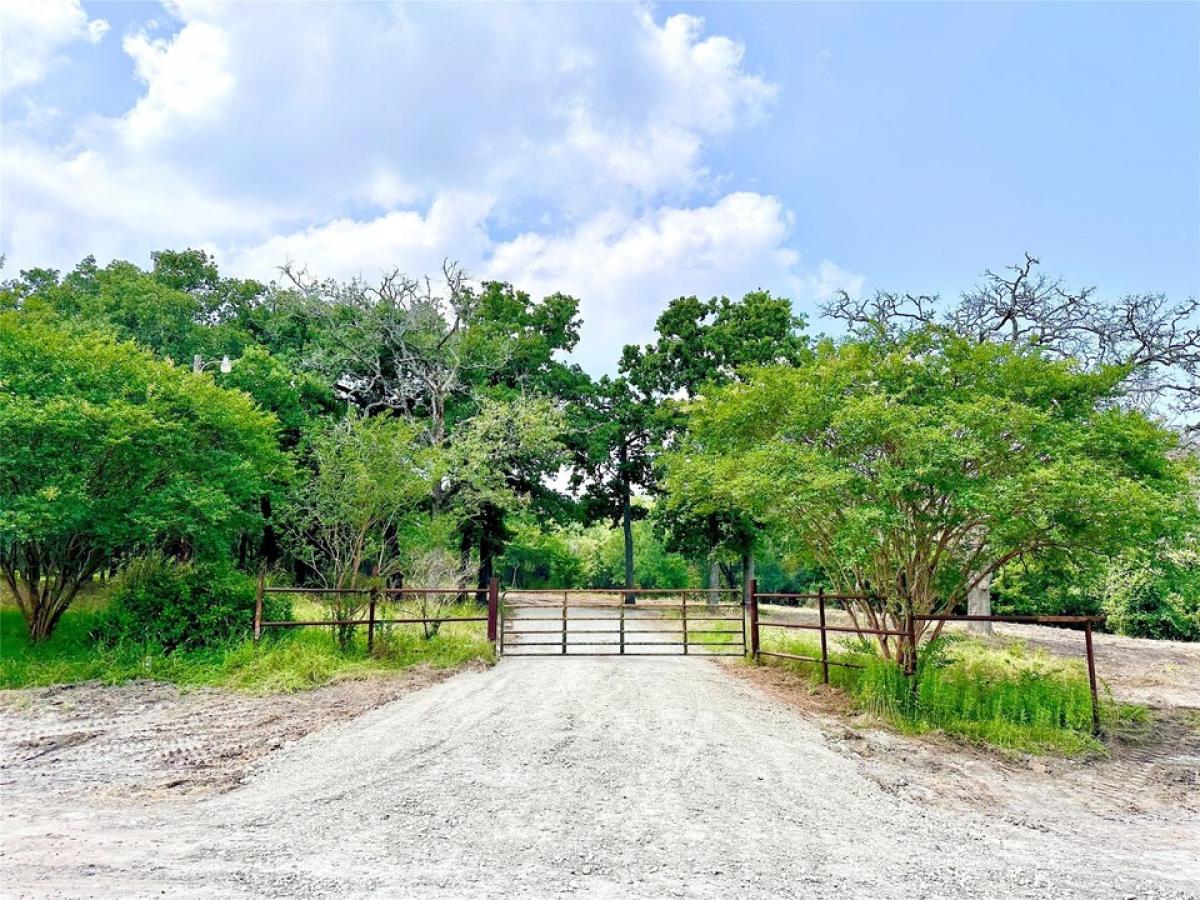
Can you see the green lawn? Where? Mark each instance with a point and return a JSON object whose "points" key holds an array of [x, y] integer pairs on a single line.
{"points": [[295, 660], [1012, 698]]}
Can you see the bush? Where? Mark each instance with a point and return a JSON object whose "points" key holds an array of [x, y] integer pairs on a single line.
{"points": [[183, 606], [1145, 601]]}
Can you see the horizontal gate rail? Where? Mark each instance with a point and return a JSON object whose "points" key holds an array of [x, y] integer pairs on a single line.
{"points": [[549, 622]]}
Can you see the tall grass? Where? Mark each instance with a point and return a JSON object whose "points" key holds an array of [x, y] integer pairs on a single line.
{"points": [[294, 660], [1012, 697]]}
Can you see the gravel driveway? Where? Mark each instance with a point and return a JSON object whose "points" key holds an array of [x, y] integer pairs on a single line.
{"points": [[606, 778]]}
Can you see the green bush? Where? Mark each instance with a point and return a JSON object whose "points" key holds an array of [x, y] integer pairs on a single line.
{"points": [[1145, 601], [183, 606]]}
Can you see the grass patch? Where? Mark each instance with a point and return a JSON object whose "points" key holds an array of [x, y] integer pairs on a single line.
{"points": [[1013, 697], [298, 659]]}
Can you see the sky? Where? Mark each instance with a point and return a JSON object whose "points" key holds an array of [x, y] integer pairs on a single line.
{"points": [[625, 154]]}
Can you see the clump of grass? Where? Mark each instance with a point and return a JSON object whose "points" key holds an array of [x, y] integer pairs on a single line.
{"points": [[295, 660], [1011, 697]]}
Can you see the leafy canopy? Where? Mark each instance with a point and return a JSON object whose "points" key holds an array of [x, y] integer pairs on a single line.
{"points": [[910, 468]]}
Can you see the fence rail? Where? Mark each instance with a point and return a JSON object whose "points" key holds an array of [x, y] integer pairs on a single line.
{"points": [[375, 596], [908, 636]]}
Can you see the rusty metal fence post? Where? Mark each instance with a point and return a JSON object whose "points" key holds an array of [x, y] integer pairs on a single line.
{"points": [[685, 631], [371, 619], [752, 612], [824, 642], [1091, 664], [493, 606], [258, 602]]}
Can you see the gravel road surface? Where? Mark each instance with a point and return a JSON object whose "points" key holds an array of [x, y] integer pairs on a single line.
{"points": [[596, 777]]}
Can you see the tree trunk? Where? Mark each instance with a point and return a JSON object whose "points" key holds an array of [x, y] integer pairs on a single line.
{"points": [[491, 525], [979, 603], [714, 582], [747, 574], [627, 529]]}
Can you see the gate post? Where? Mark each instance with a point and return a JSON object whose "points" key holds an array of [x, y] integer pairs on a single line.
{"points": [[493, 600], [258, 602], [371, 620], [1091, 664], [752, 610], [824, 643]]}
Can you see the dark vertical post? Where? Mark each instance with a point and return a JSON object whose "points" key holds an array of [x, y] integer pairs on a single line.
{"points": [[564, 624], [622, 610], [258, 602], [752, 609], [824, 643], [910, 660], [371, 620], [1091, 663], [685, 631], [493, 607]]}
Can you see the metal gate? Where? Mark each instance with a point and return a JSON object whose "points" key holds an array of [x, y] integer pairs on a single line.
{"points": [[600, 623]]}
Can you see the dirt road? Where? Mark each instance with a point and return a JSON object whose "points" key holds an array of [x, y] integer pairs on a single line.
{"points": [[602, 778]]}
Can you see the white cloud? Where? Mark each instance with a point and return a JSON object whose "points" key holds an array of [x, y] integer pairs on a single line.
{"points": [[345, 248], [186, 78], [33, 32], [626, 268], [558, 148]]}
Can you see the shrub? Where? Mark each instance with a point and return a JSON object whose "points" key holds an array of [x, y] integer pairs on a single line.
{"points": [[183, 606]]}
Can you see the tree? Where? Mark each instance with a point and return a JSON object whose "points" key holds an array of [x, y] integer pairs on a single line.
{"points": [[705, 344], [612, 442], [107, 450], [909, 469], [498, 461], [369, 474], [1156, 341]]}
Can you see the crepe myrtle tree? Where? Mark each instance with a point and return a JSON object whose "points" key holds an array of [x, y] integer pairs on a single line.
{"points": [[909, 468], [108, 451]]}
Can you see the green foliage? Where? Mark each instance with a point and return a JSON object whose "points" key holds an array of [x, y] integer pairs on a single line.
{"points": [[1011, 697], [109, 451], [1155, 596], [909, 468], [295, 661], [183, 606]]}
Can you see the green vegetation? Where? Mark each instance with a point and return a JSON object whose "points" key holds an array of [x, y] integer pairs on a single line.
{"points": [[1011, 697], [298, 660], [180, 431]]}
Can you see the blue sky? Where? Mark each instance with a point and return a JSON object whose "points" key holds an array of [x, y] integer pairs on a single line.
{"points": [[623, 153]]}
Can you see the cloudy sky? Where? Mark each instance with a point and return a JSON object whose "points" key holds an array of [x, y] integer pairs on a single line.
{"points": [[623, 153]]}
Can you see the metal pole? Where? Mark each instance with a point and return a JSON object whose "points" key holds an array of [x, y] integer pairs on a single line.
{"points": [[258, 602], [371, 621], [493, 607], [1091, 662], [685, 632], [622, 609], [564, 624], [824, 644], [754, 619]]}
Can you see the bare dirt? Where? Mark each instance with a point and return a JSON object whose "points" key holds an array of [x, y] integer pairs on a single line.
{"points": [[547, 777]]}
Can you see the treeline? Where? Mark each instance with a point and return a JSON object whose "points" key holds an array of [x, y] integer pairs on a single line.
{"points": [[436, 431]]}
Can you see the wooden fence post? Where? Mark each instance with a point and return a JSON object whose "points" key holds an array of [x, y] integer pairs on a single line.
{"points": [[824, 644], [685, 631], [258, 602], [493, 608], [752, 609]]}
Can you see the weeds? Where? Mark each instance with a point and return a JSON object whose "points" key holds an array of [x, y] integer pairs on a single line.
{"points": [[292, 661], [1013, 697]]}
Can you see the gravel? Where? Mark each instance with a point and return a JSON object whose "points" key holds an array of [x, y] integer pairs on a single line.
{"points": [[595, 777]]}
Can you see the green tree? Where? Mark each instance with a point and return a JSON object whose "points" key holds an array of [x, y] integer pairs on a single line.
{"points": [[107, 450], [498, 461], [702, 344], [612, 442], [911, 468]]}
